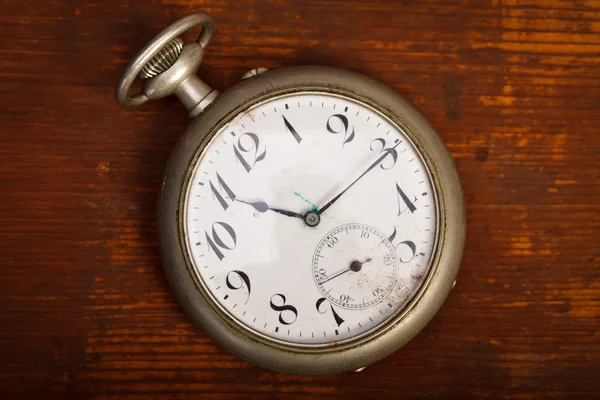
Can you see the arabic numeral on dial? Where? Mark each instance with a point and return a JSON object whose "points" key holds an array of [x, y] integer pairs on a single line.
{"points": [[322, 274], [287, 313], [216, 242], [248, 143], [380, 142], [403, 199], [289, 128], [388, 259], [407, 251], [364, 235], [377, 292], [236, 280], [339, 123], [217, 193], [345, 299], [323, 309], [332, 241]]}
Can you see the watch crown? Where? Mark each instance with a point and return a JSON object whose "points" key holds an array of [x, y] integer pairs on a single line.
{"points": [[254, 72], [163, 60]]}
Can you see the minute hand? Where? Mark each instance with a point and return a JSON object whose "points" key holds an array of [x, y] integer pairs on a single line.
{"points": [[380, 159]]}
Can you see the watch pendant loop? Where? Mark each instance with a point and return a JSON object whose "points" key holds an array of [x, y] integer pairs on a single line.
{"points": [[169, 67]]}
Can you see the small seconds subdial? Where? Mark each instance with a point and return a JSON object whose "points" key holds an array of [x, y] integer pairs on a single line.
{"points": [[355, 266]]}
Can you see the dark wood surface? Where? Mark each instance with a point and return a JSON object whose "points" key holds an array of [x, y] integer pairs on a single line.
{"points": [[513, 86]]}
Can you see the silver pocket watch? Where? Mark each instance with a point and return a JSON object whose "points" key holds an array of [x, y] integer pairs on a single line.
{"points": [[310, 220]]}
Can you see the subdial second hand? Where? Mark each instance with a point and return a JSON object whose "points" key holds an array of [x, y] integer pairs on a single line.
{"points": [[355, 266]]}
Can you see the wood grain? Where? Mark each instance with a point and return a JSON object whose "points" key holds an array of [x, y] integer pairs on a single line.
{"points": [[513, 86]]}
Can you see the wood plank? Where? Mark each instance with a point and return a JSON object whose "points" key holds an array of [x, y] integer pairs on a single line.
{"points": [[513, 86]]}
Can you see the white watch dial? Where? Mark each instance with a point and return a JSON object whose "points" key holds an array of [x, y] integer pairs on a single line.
{"points": [[285, 165]]}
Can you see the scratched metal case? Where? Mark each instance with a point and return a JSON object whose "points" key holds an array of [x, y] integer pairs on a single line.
{"points": [[211, 111]]}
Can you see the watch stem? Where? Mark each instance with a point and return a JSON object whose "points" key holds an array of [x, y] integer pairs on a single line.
{"points": [[163, 60]]}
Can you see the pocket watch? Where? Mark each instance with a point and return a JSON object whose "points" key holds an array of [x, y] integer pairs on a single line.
{"points": [[310, 219]]}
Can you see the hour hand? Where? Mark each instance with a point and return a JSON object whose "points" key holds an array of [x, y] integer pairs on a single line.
{"points": [[262, 206]]}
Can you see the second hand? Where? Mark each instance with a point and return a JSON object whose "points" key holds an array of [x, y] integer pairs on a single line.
{"points": [[355, 266]]}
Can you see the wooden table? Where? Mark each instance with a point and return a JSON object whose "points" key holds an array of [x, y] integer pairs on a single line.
{"points": [[513, 86]]}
